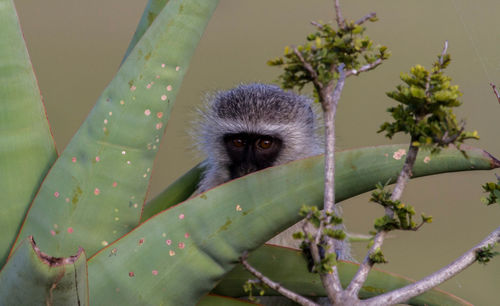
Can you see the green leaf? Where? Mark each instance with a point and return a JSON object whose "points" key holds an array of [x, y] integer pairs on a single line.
{"points": [[218, 300], [32, 277], [27, 150], [201, 239], [293, 274], [183, 187], [417, 92], [177, 192], [95, 191], [153, 8]]}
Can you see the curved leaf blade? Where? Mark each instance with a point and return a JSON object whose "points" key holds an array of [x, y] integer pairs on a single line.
{"points": [[293, 274], [217, 300], [370, 162], [27, 149], [178, 191], [95, 191], [200, 240], [32, 277], [153, 8]]}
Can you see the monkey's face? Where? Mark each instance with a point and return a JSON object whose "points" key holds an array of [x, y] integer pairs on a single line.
{"points": [[249, 152]]}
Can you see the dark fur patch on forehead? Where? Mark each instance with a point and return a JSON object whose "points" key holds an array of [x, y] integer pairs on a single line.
{"points": [[264, 103]]}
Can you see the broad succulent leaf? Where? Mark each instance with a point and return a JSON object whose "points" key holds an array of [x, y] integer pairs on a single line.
{"points": [[294, 275], [175, 193], [201, 239], [217, 300], [32, 277], [27, 149], [95, 191], [152, 10], [353, 164]]}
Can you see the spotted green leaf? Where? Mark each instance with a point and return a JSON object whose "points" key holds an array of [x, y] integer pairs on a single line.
{"points": [[27, 150], [95, 191], [198, 241], [353, 166], [293, 274], [32, 277], [153, 8]]}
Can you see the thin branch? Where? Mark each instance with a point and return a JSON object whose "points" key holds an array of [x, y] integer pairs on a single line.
{"points": [[495, 91], [404, 294], [445, 49], [365, 18], [365, 267], [275, 286], [309, 69], [428, 81], [446, 140], [329, 99], [406, 173], [317, 24], [313, 245], [338, 15], [364, 68]]}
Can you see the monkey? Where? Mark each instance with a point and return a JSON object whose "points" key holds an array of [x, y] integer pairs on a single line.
{"points": [[252, 127]]}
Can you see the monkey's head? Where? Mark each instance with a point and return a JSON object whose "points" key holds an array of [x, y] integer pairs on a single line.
{"points": [[252, 127]]}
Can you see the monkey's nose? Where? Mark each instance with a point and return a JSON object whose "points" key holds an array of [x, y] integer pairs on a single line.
{"points": [[246, 169]]}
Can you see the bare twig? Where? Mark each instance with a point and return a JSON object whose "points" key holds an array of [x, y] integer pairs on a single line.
{"points": [[364, 68], [445, 49], [495, 91], [365, 18], [428, 82], [365, 267], [338, 15], [403, 294], [329, 98], [317, 24], [275, 286], [313, 245], [309, 69], [446, 139]]}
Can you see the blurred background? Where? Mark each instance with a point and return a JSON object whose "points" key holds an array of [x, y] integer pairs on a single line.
{"points": [[76, 48]]}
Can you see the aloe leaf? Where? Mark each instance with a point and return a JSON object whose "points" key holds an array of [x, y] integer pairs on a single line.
{"points": [[153, 8], [95, 191], [217, 300], [175, 193], [293, 274], [200, 240], [357, 169], [27, 148], [32, 277]]}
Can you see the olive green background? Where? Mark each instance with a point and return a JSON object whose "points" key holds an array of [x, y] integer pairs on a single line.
{"points": [[76, 47]]}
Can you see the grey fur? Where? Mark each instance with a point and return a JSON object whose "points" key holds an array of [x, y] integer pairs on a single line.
{"points": [[261, 109]]}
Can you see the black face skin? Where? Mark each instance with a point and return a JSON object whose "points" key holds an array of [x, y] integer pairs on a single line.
{"points": [[251, 152]]}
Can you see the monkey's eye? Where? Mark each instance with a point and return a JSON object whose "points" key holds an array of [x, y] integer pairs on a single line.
{"points": [[264, 143], [238, 142]]}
